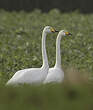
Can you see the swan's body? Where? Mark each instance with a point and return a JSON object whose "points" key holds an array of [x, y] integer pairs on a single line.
{"points": [[28, 76], [34, 75], [56, 73]]}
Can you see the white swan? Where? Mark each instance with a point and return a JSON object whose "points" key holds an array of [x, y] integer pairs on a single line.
{"points": [[56, 73], [34, 75]]}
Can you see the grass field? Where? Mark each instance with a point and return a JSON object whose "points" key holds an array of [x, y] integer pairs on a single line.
{"points": [[20, 47]]}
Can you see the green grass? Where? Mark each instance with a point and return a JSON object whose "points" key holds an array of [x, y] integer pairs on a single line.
{"points": [[20, 47], [47, 97], [20, 40]]}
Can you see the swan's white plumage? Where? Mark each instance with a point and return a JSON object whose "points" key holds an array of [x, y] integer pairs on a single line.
{"points": [[34, 75], [28, 76], [56, 74]]}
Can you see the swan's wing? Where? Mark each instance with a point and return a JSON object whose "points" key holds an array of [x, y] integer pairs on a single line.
{"points": [[33, 75], [17, 75], [30, 76]]}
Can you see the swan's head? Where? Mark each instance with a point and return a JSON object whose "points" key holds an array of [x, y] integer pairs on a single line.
{"points": [[64, 33], [49, 29]]}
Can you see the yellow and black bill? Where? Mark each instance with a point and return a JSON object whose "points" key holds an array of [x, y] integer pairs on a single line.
{"points": [[54, 30], [68, 33]]}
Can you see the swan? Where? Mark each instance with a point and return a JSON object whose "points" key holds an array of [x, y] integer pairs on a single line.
{"points": [[34, 75], [56, 73]]}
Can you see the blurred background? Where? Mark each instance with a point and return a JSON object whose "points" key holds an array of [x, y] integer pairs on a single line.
{"points": [[84, 6]]}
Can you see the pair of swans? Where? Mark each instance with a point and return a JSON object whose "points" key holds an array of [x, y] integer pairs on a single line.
{"points": [[43, 74]]}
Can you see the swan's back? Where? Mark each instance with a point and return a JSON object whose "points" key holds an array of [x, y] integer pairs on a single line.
{"points": [[28, 76]]}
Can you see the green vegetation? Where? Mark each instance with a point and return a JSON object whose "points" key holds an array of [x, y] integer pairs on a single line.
{"points": [[20, 40], [20, 47], [48, 97]]}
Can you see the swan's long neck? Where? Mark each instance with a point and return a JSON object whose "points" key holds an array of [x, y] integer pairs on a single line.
{"points": [[44, 54], [58, 54]]}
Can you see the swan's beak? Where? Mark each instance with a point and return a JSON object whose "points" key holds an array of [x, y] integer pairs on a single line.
{"points": [[53, 30], [68, 33]]}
